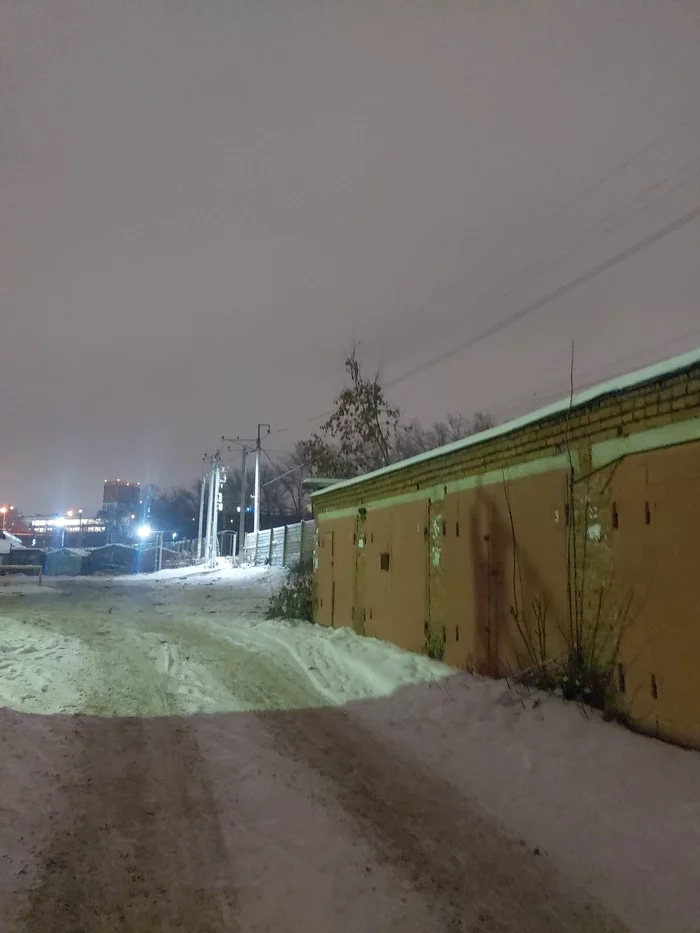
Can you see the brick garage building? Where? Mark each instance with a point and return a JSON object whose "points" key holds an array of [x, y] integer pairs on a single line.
{"points": [[465, 542]]}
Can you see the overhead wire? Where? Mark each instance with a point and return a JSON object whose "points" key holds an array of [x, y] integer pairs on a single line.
{"points": [[529, 309], [599, 229], [591, 377], [541, 224], [548, 298], [536, 269]]}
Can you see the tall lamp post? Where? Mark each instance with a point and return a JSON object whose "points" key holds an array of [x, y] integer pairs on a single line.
{"points": [[4, 512]]}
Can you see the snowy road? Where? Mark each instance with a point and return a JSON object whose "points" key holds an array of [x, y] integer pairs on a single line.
{"points": [[170, 760]]}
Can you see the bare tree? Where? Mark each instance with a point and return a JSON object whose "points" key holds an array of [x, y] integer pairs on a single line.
{"points": [[360, 434], [176, 509], [293, 471], [414, 439]]}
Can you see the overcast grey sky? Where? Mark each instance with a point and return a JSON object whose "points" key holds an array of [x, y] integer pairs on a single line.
{"points": [[202, 200]]}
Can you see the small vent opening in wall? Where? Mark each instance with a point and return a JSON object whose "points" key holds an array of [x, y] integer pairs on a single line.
{"points": [[384, 560], [647, 514]]}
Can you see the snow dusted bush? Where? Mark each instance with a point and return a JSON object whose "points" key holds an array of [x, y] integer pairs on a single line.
{"points": [[294, 599], [434, 644]]}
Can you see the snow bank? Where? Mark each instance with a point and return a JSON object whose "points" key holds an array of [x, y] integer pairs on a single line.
{"points": [[41, 671], [618, 811], [224, 572], [192, 643], [341, 665]]}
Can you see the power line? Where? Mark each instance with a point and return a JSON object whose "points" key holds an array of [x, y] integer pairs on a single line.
{"points": [[622, 166], [559, 292], [282, 475], [553, 391], [586, 380], [536, 269], [533, 271]]}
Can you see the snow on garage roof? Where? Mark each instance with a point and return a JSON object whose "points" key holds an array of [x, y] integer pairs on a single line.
{"points": [[618, 384], [12, 539]]}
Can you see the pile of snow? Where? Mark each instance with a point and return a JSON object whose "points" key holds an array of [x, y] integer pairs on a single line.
{"points": [[8, 542], [341, 665], [186, 643], [195, 573], [42, 671], [618, 811]]}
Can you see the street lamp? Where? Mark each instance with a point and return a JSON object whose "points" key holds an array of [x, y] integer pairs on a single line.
{"points": [[61, 523]]}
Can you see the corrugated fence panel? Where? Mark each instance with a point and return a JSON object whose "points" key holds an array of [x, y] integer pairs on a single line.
{"points": [[258, 551], [307, 541], [271, 546], [293, 545], [277, 550], [264, 539]]}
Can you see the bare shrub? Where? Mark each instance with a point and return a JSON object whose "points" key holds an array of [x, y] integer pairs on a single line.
{"points": [[595, 624], [434, 645], [295, 598]]}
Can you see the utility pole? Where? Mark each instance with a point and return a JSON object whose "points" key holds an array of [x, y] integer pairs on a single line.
{"points": [[256, 499], [245, 450], [209, 550], [202, 496], [217, 478], [220, 480], [244, 504]]}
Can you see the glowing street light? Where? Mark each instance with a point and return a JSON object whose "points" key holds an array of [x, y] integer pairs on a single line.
{"points": [[144, 531]]}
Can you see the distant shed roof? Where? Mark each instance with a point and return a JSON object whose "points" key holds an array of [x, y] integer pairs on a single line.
{"points": [[639, 377], [10, 539]]}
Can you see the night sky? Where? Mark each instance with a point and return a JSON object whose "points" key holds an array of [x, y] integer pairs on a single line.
{"points": [[203, 201]]}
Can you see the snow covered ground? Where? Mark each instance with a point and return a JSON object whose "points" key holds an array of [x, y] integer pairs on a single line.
{"points": [[170, 759], [115, 647]]}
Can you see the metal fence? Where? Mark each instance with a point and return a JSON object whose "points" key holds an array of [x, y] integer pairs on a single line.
{"points": [[280, 547]]}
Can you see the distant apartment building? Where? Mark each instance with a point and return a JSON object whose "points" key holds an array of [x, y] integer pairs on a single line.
{"points": [[120, 496]]}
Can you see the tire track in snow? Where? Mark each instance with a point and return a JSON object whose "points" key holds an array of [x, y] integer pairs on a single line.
{"points": [[138, 846], [474, 877]]}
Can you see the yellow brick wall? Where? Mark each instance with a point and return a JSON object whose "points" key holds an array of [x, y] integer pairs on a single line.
{"points": [[667, 401], [613, 564]]}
